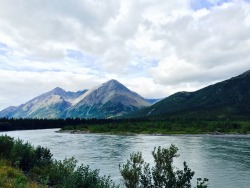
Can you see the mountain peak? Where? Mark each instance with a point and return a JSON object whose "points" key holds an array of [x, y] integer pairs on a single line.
{"points": [[107, 100], [112, 81], [114, 85], [57, 91]]}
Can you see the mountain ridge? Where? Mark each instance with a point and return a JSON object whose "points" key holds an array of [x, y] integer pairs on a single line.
{"points": [[109, 99], [228, 98]]}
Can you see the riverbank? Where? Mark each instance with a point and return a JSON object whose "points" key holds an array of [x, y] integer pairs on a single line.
{"points": [[152, 134], [170, 127]]}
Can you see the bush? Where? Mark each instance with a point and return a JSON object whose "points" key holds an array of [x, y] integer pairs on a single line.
{"points": [[63, 174], [61, 170], [23, 155], [6, 145], [137, 173], [84, 177], [43, 157]]}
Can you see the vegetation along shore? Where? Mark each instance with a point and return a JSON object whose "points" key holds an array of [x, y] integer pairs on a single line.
{"points": [[132, 126]]}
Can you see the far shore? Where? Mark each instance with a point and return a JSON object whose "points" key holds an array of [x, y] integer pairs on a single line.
{"points": [[216, 133]]}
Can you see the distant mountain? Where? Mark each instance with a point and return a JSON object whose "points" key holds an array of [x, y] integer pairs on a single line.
{"points": [[153, 101], [107, 100], [8, 112], [47, 105], [230, 98]]}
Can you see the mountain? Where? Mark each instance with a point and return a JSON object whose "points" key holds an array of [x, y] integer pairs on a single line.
{"points": [[8, 112], [110, 99], [153, 101], [229, 98], [47, 105], [107, 100]]}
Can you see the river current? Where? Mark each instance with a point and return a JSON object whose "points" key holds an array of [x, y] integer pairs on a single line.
{"points": [[223, 159]]}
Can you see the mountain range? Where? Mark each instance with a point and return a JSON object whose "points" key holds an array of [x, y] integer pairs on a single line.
{"points": [[229, 98], [107, 100], [226, 99]]}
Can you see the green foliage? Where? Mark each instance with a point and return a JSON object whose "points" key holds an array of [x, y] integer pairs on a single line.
{"points": [[84, 177], [202, 183], [137, 173], [6, 145], [61, 170], [23, 155], [11, 177], [5, 126], [132, 171], [168, 126], [43, 157]]}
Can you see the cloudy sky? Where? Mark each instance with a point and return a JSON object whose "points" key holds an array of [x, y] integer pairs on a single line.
{"points": [[153, 47]]}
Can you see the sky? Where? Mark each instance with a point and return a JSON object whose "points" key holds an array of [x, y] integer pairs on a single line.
{"points": [[153, 47]]}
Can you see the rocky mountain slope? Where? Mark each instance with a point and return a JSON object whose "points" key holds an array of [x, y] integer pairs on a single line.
{"points": [[107, 100], [47, 105]]}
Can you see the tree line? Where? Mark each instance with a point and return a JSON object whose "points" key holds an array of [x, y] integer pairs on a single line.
{"points": [[136, 125], [9, 124]]}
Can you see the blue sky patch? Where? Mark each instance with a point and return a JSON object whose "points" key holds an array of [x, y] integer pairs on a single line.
{"points": [[4, 49], [2, 45], [74, 54], [140, 65], [200, 4], [77, 55]]}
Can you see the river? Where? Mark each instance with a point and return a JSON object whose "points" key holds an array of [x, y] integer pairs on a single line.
{"points": [[223, 159]]}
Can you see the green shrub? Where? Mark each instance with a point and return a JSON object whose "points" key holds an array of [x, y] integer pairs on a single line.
{"points": [[64, 174], [137, 173], [43, 157], [61, 170], [23, 155], [84, 177], [6, 145]]}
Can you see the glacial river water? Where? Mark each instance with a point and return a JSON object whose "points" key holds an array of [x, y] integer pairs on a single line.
{"points": [[223, 159]]}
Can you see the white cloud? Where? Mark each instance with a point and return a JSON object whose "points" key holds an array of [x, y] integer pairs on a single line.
{"points": [[199, 48], [155, 48], [19, 87]]}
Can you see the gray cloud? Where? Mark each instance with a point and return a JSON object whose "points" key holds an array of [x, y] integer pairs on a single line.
{"points": [[154, 47], [208, 48]]}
